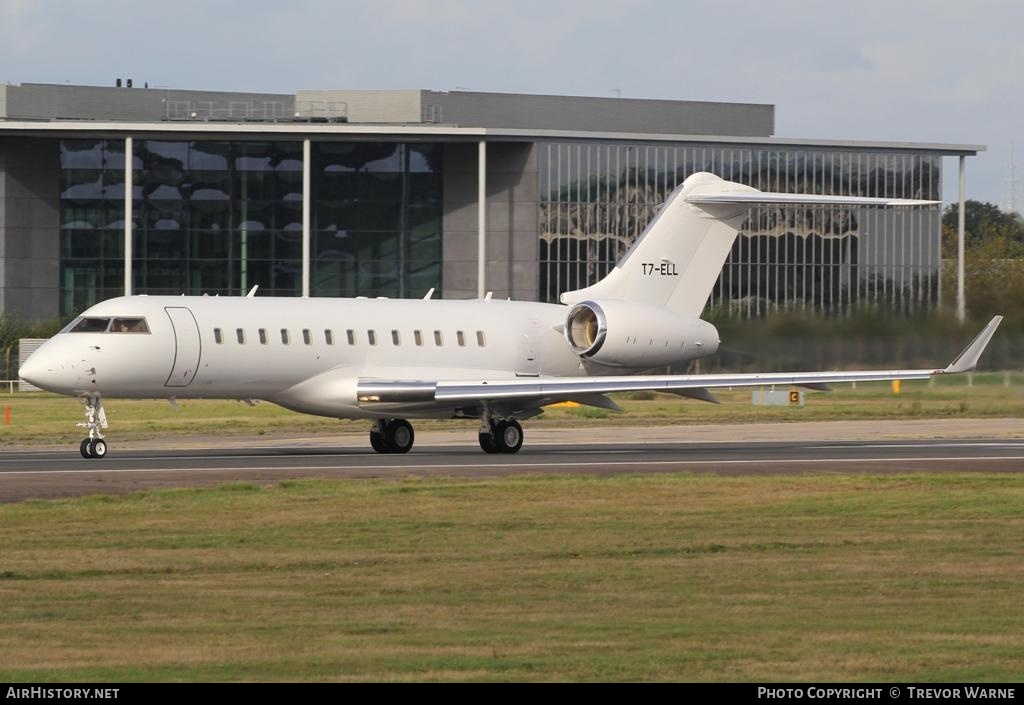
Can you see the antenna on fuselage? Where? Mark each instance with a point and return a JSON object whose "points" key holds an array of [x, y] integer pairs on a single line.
{"points": [[430, 294], [252, 291]]}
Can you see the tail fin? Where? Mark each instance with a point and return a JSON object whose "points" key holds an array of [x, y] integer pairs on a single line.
{"points": [[678, 257]]}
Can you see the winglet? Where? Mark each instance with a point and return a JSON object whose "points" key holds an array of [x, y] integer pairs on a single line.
{"points": [[968, 359]]}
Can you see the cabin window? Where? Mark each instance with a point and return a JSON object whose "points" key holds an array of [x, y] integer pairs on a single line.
{"points": [[329, 337], [396, 339], [351, 335], [418, 337], [240, 332], [217, 337], [371, 335], [438, 338], [461, 337], [129, 325], [90, 325], [284, 336], [480, 339], [306, 337], [263, 336]]}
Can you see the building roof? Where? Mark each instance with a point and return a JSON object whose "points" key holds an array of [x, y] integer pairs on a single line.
{"points": [[447, 133], [68, 111]]}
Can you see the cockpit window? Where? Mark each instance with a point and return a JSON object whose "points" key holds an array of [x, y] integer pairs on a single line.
{"points": [[129, 325], [106, 325], [90, 325]]}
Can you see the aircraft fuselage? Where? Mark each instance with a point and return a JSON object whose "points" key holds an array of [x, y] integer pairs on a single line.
{"points": [[305, 356]]}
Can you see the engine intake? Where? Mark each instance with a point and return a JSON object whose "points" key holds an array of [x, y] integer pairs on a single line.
{"points": [[586, 328], [636, 335]]}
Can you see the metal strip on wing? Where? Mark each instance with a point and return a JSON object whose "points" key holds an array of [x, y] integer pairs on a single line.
{"points": [[459, 391], [394, 392]]}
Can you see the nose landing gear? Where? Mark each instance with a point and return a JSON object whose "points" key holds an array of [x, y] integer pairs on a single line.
{"points": [[95, 420]]}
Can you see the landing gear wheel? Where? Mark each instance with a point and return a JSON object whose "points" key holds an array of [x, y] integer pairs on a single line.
{"points": [[97, 448], [399, 436], [377, 442], [508, 436], [95, 421], [487, 443]]}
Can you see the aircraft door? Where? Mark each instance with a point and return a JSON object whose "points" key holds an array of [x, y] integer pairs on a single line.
{"points": [[187, 346]]}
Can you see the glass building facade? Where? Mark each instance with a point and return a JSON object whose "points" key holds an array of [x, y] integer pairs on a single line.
{"points": [[595, 199], [377, 219], [217, 217]]}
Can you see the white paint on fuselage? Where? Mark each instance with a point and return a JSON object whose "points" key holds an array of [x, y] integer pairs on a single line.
{"points": [[129, 365], [520, 338]]}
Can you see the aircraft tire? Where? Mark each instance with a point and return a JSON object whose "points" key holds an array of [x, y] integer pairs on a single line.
{"points": [[487, 443], [508, 436], [84, 449], [97, 448], [377, 442], [399, 436]]}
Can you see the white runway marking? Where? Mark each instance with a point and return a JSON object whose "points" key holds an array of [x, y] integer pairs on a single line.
{"points": [[936, 444], [449, 466], [356, 452]]}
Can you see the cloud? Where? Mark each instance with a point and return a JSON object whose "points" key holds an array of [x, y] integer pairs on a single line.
{"points": [[13, 9], [914, 70]]}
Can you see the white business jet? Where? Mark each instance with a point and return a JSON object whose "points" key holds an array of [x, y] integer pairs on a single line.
{"points": [[392, 360]]}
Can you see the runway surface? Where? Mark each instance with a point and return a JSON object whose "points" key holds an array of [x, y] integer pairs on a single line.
{"points": [[63, 473]]}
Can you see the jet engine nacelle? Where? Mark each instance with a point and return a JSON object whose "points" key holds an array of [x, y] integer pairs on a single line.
{"points": [[630, 334]]}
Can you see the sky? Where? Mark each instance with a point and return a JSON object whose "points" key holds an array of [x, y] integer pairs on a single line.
{"points": [[905, 70]]}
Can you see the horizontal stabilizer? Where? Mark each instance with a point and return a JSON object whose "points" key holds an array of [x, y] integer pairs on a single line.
{"points": [[762, 197]]}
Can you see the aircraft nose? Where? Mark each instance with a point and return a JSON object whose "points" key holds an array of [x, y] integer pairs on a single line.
{"points": [[33, 370]]}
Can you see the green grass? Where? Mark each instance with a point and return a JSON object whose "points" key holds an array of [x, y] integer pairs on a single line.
{"points": [[48, 418], [681, 577]]}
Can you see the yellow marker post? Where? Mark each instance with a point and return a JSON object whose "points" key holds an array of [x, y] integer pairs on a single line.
{"points": [[896, 387]]}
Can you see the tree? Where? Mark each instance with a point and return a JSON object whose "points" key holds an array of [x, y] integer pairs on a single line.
{"points": [[983, 222]]}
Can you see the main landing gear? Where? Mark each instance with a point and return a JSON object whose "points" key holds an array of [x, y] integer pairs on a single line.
{"points": [[392, 436], [502, 436], [396, 435], [95, 421]]}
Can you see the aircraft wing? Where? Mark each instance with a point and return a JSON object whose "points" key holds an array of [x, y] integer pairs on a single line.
{"points": [[546, 390]]}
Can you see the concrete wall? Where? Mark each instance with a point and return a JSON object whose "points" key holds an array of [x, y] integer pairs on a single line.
{"points": [[553, 112], [512, 221], [41, 100], [29, 227], [547, 112], [364, 106]]}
